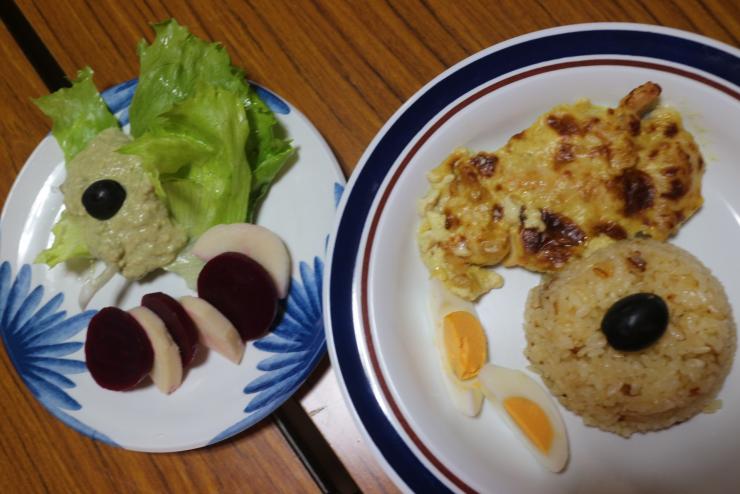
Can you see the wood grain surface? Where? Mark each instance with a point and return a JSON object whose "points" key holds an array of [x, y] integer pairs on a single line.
{"points": [[347, 65], [22, 127]]}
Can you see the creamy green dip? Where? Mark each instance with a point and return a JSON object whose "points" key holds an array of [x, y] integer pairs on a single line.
{"points": [[140, 237]]}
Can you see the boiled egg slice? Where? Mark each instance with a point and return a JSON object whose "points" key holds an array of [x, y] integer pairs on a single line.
{"points": [[529, 411], [462, 347]]}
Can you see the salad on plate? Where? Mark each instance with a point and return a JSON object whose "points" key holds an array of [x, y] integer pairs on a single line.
{"points": [[174, 190]]}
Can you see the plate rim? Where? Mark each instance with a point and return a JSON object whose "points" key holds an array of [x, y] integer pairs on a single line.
{"points": [[349, 276], [118, 103]]}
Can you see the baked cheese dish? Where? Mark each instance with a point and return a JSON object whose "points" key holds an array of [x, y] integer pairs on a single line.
{"points": [[580, 177]]}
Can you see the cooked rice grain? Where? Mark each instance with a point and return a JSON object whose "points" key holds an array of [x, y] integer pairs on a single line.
{"points": [[669, 382]]}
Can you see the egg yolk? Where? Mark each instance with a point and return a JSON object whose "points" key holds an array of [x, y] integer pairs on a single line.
{"points": [[465, 343], [532, 420]]}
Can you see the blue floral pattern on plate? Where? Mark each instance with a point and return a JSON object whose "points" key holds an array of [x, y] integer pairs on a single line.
{"points": [[118, 98], [38, 341], [272, 100]]}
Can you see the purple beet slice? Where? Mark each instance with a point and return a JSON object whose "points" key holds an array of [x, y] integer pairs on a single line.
{"points": [[117, 350], [242, 290], [179, 324]]}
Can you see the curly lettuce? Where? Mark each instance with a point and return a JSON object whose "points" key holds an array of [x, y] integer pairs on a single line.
{"points": [[78, 113], [172, 67], [267, 153], [68, 243], [209, 143], [195, 156]]}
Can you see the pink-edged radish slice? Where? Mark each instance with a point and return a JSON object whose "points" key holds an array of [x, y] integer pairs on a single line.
{"points": [[118, 353], [167, 370], [242, 290], [216, 332], [178, 323], [254, 241]]}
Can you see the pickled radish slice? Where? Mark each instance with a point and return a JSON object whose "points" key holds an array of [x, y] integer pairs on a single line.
{"points": [[242, 290], [178, 323], [167, 369], [118, 353], [216, 332]]}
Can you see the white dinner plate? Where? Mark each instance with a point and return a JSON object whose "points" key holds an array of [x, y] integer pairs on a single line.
{"points": [[379, 332], [43, 328]]}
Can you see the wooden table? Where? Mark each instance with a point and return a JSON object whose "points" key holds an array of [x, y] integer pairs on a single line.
{"points": [[348, 66]]}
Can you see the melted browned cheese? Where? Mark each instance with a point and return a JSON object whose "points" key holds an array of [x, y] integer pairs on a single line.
{"points": [[582, 176]]}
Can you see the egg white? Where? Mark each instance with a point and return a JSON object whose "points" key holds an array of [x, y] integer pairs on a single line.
{"points": [[499, 383], [465, 396]]}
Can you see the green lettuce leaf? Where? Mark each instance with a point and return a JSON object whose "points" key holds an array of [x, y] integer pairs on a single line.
{"points": [[266, 152], [68, 243], [78, 113], [194, 155], [188, 267], [172, 67]]}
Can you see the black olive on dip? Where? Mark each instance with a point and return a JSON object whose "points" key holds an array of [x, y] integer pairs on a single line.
{"points": [[103, 199]]}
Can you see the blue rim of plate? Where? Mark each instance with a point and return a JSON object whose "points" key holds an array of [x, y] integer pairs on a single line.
{"points": [[623, 44], [37, 335]]}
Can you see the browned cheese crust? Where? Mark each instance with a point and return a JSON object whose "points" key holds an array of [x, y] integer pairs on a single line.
{"points": [[581, 177]]}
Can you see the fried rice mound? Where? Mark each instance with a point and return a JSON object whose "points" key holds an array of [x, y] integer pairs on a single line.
{"points": [[669, 382]]}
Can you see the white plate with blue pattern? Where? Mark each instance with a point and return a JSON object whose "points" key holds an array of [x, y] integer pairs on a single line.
{"points": [[43, 328]]}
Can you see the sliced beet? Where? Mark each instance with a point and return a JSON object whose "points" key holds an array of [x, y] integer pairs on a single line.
{"points": [[242, 290], [117, 350], [179, 324]]}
